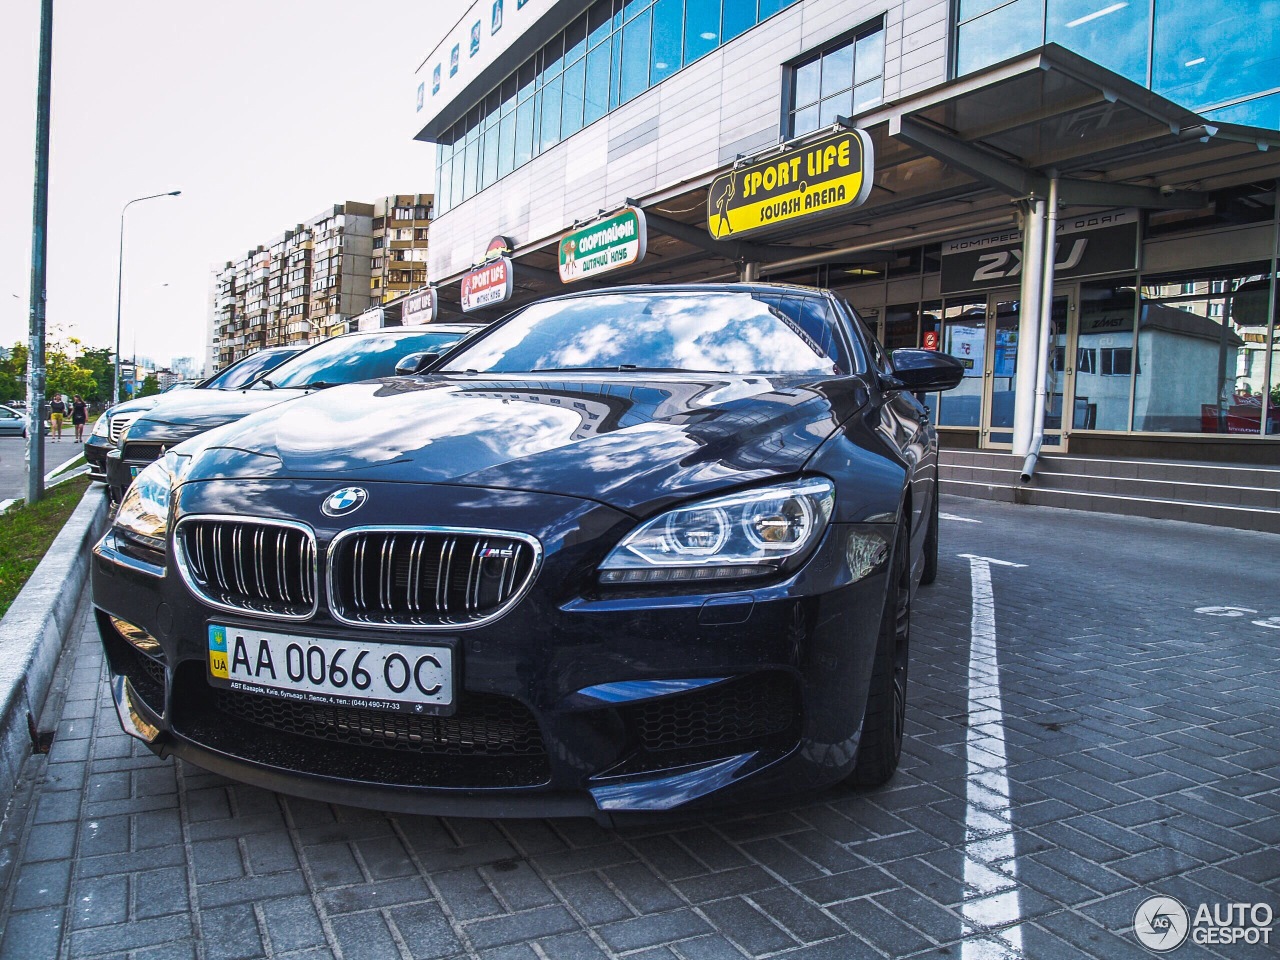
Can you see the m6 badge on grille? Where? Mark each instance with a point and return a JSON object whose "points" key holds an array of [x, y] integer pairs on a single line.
{"points": [[317, 670]]}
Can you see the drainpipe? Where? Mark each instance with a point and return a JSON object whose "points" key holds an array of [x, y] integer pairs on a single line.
{"points": [[1045, 354], [1028, 325]]}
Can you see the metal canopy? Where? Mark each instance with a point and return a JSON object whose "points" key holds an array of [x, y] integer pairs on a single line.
{"points": [[951, 160]]}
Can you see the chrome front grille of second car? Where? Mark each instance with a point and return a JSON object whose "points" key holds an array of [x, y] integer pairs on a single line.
{"points": [[425, 577], [119, 423], [253, 565]]}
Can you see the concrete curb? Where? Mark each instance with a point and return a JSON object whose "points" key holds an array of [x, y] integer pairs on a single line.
{"points": [[33, 631]]}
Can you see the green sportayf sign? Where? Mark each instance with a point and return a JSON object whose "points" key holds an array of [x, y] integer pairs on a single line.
{"points": [[617, 241]]}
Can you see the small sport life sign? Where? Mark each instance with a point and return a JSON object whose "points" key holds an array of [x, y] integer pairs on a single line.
{"points": [[824, 176], [617, 241]]}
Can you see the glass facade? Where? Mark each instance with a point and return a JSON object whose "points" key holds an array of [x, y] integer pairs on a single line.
{"points": [[1221, 57], [615, 51], [1193, 351], [1202, 351]]}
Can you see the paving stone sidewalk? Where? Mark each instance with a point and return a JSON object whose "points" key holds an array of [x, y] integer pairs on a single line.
{"points": [[1142, 758]]}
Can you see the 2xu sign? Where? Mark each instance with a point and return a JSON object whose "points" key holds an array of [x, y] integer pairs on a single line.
{"points": [[1096, 243], [419, 307], [617, 241], [826, 176], [487, 285]]}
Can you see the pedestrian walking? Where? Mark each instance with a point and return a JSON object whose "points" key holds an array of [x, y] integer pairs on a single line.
{"points": [[79, 416], [57, 410]]}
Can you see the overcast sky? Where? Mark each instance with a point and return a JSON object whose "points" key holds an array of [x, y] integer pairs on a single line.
{"points": [[262, 112]]}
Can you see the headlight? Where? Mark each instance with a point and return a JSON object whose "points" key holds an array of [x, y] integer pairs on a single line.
{"points": [[144, 511], [748, 534], [101, 426]]}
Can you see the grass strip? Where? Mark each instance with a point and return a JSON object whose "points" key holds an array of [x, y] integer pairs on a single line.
{"points": [[26, 533]]}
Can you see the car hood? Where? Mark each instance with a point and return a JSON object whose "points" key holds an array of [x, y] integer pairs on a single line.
{"points": [[179, 416], [133, 407], [631, 441]]}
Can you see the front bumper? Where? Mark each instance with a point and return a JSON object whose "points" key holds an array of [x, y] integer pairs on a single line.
{"points": [[577, 702], [95, 454], [120, 472]]}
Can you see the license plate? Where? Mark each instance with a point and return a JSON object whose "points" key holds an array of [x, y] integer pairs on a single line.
{"points": [[133, 472], [379, 676]]}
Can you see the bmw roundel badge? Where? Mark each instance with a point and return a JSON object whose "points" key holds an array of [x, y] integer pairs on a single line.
{"points": [[344, 501]]}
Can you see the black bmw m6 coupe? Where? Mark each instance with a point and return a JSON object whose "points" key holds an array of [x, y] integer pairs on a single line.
{"points": [[625, 551]]}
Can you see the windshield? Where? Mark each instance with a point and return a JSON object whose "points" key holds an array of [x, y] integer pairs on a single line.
{"points": [[240, 375], [716, 331], [350, 359]]}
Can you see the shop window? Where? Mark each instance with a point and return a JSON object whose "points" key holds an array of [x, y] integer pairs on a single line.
{"points": [[900, 323], [1273, 388], [965, 338], [1197, 372], [837, 81]]}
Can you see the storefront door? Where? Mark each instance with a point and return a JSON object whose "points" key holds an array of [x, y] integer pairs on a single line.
{"points": [[1001, 370]]}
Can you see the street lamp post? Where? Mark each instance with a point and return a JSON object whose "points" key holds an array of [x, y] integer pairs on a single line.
{"points": [[115, 387]]}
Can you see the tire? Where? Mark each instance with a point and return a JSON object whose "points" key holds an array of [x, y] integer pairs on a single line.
{"points": [[930, 572], [880, 747]]}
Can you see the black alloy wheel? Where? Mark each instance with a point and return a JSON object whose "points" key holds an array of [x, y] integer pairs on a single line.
{"points": [[885, 720]]}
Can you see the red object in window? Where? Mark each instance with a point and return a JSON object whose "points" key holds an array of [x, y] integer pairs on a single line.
{"points": [[931, 339]]}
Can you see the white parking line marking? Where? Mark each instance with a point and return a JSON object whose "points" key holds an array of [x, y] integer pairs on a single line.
{"points": [[952, 516], [992, 902]]}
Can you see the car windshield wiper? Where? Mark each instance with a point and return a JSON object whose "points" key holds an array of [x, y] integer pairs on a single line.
{"points": [[270, 385], [317, 385]]}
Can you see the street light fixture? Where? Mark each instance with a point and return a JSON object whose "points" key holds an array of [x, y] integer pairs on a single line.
{"points": [[115, 387]]}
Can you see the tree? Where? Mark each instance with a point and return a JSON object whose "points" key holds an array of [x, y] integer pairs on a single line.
{"points": [[66, 376], [150, 387], [13, 373], [100, 362]]}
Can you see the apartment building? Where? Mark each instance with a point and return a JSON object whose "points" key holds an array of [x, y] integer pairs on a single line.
{"points": [[400, 227], [310, 281], [342, 250]]}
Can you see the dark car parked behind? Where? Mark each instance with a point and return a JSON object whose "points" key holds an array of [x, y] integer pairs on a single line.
{"points": [[338, 360], [627, 551], [112, 424]]}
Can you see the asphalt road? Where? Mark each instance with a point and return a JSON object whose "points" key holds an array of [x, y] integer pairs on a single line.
{"points": [[13, 465], [1092, 715]]}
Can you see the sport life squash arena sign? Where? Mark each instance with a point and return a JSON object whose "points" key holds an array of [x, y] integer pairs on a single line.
{"points": [[825, 176], [617, 241]]}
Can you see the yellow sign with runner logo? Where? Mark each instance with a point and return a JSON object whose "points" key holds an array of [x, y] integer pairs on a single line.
{"points": [[827, 175]]}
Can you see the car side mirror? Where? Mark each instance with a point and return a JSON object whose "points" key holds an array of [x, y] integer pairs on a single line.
{"points": [[415, 363], [925, 371]]}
